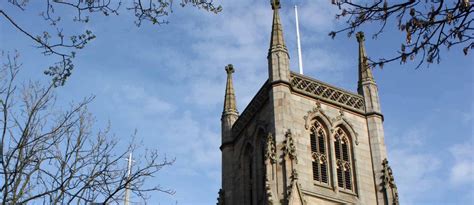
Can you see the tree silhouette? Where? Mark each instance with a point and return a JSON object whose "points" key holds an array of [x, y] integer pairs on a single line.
{"points": [[52, 156], [429, 25], [55, 41]]}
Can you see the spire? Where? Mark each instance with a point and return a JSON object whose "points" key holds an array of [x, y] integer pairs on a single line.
{"points": [[278, 58], [365, 74], [366, 86], [229, 116], [277, 41], [229, 101]]}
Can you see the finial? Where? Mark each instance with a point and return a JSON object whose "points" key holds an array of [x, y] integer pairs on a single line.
{"points": [[277, 29], [229, 69], [230, 105], [275, 4], [360, 37]]}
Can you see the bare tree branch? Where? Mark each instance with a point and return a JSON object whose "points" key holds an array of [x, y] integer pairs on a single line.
{"points": [[53, 41], [429, 25], [54, 157]]}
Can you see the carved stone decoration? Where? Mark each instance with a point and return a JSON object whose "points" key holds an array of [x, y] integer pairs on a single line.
{"points": [[268, 192], [356, 138], [306, 118], [220, 199], [341, 119], [289, 147], [320, 90], [340, 116], [312, 113], [389, 185], [318, 103], [294, 176], [294, 179], [270, 150], [294, 191], [276, 4]]}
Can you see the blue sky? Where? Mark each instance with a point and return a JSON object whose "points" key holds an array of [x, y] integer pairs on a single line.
{"points": [[168, 83]]}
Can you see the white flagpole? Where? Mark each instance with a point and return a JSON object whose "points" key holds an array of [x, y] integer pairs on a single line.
{"points": [[127, 188], [300, 60]]}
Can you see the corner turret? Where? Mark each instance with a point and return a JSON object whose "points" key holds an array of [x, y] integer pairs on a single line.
{"points": [[368, 88], [229, 116]]}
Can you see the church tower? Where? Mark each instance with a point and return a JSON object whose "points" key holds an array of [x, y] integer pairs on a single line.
{"points": [[302, 141]]}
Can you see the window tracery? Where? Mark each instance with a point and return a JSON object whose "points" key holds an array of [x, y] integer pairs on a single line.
{"points": [[319, 153], [344, 171]]}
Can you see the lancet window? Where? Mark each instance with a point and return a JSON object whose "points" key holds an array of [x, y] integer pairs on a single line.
{"points": [[319, 153], [342, 147], [248, 176]]}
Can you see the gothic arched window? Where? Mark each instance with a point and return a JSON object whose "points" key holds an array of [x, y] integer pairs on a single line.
{"points": [[342, 147], [319, 153]]}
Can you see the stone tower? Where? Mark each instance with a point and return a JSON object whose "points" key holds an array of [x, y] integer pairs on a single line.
{"points": [[302, 141]]}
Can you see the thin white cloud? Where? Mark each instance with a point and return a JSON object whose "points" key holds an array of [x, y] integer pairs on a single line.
{"points": [[128, 97], [317, 17], [462, 172], [242, 38], [411, 138], [415, 174], [423, 175], [415, 169]]}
